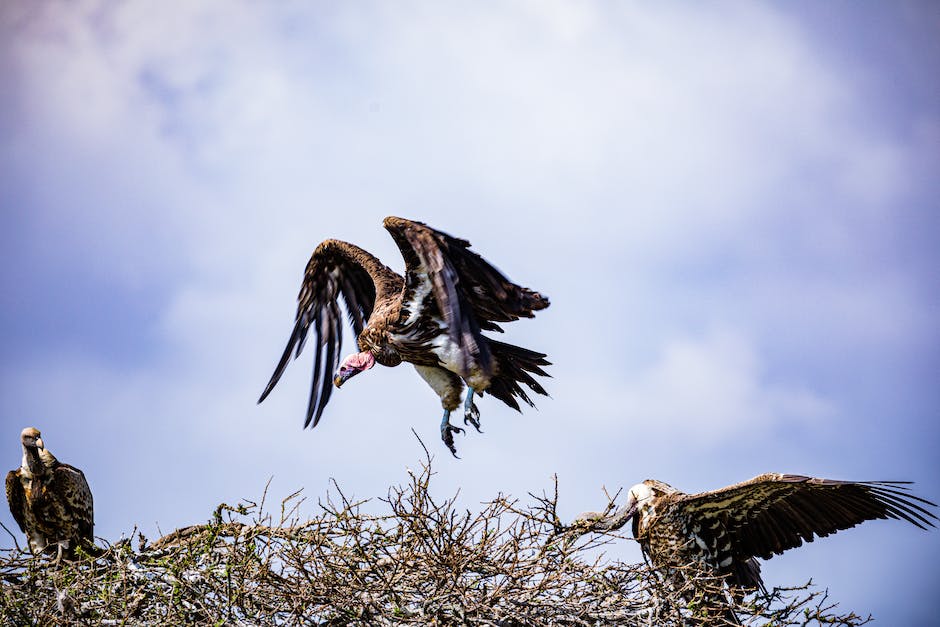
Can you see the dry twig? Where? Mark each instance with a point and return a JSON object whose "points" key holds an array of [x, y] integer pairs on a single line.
{"points": [[420, 562]]}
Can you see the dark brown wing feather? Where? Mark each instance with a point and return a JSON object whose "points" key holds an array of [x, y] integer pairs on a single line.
{"points": [[16, 498], [470, 294], [516, 367], [336, 269], [69, 484], [772, 513]]}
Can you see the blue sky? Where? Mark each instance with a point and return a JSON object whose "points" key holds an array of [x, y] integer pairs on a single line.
{"points": [[733, 208]]}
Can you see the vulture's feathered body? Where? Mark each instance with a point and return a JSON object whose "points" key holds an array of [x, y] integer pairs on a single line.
{"points": [[49, 500], [433, 318], [723, 531]]}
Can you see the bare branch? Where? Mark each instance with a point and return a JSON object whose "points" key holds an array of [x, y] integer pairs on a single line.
{"points": [[404, 559]]}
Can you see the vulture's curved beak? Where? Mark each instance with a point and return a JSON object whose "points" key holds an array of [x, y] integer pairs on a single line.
{"points": [[628, 512], [616, 520], [39, 444], [344, 374]]}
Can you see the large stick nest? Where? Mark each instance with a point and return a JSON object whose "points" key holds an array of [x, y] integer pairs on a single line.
{"points": [[420, 562]]}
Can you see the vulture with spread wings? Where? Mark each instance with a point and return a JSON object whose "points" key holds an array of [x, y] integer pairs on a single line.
{"points": [[433, 318], [723, 531], [50, 501]]}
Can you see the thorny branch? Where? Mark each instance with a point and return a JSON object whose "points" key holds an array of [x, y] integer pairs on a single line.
{"points": [[422, 561]]}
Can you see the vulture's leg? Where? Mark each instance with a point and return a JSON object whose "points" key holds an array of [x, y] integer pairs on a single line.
{"points": [[63, 546], [448, 387], [447, 432], [471, 415]]}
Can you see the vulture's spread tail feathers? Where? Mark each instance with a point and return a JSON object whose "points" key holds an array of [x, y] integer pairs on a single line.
{"points": [[745, 575], [515, 366]]}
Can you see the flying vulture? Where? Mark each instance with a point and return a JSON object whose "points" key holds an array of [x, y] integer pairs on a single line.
{"points": [[723, 531], [433, 318], [50, 501]]}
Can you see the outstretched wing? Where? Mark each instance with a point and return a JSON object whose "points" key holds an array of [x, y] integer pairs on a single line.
{"points": [[335, 269], [71, 486], [470, 294], [774, 512], [16, 498]]}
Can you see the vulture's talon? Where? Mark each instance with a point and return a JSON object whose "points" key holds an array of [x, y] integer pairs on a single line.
{"points": [[447, 433], [473, 418], [471, 415]]}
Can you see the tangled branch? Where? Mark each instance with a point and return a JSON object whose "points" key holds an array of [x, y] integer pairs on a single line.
{"points": [[420, 562]]}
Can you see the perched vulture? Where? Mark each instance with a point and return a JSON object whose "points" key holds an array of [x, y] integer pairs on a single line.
{"points": [[50, 501], [723, 531], [432, 318]]}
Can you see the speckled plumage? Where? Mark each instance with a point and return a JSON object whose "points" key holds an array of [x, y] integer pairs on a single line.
{"points": [[433, 317], [724, 530], [50, 501]]}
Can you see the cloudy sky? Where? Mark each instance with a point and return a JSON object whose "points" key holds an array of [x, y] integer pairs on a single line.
{"points": [[733, 208]]}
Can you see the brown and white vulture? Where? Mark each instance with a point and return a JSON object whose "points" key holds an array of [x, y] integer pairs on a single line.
{"points": [[433, 318], [50, 501], [723, 531]]}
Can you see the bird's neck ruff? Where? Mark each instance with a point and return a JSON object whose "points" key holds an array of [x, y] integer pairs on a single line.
{"points": [[32, 465]]}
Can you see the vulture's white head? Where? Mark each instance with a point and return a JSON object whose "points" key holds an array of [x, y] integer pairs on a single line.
{"points": [[33, 451], [30, 438], [353, 365], [639, 498], [642, 498], [639, 494]]}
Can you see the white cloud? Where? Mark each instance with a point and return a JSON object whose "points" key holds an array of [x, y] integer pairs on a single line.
{"points": [[671, 127], [656, 169], [714, 389]]}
